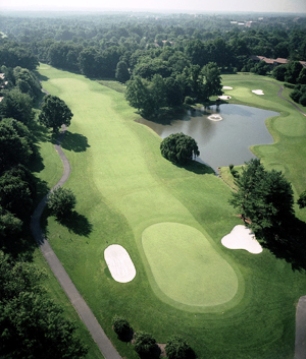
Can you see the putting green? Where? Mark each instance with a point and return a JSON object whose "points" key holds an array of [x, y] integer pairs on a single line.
{"points": [[186, 267]]}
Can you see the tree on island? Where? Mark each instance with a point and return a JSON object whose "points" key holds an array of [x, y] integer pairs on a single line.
{"points": [[179, 148], [55, 113], [263, 197]]}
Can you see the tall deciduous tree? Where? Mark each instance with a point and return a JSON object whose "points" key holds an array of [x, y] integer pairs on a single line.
{"points": [[17, 105], [55, 113], [122, 73], [15, 144], [61, 202], [266, 198], [31, 324]]}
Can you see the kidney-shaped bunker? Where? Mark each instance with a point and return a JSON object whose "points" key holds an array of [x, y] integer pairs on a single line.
{"points": [[119, 263]]}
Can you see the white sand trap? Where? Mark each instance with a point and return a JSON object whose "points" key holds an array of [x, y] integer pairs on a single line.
{"points": [[215, 118], [258, 92], [242, 238], [119, 263], [224, 97], [227, 88]]}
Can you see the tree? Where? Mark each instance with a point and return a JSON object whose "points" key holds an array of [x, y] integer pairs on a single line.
{"points": [[32, 326], [177, 348], [146, 346], [122, 73], [179, 148], [55, 113], [37, 324], [10, 226], [265, 198], [15, 144], [17, 105], [17, 190], [61, 201], [293, 71], [122, 328], [302, 200], [211, 80]]}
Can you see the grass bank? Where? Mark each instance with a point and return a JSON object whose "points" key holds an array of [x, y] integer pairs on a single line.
{"points": [[124, 186]]}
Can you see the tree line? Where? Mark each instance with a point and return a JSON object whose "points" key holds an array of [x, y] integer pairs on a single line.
{"points": [[32, 325]]}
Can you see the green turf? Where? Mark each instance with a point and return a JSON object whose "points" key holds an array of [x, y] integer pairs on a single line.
{"points": [[186, 267], [123, 186]]}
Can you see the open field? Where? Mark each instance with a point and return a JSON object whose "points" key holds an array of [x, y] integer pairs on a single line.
{"points": [[124, 186]]}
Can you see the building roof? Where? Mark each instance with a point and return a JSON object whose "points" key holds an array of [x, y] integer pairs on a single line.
{"points": [[280, 60]]}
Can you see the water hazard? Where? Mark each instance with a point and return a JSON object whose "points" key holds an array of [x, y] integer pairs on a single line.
{"points": [[221, 142]]}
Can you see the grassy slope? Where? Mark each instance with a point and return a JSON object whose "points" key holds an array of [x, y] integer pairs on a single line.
{"points": [[123, 186]]}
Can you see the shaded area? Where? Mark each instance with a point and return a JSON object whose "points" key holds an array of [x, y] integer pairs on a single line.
{"points": [[77, 223], [196, 167], [74, 142], [288, 242]]}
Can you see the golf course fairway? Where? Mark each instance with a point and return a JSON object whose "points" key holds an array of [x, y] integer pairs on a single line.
{"points": [[127, 194]]}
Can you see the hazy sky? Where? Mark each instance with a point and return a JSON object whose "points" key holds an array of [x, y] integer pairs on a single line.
{"points": [[297, 6]]}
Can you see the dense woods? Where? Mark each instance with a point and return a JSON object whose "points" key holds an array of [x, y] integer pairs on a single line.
{"points": [[176, 47]]}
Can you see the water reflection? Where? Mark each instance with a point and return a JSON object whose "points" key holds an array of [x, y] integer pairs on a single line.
{"points": [[221, 142]]}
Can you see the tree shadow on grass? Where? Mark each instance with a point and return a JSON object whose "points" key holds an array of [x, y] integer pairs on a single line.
{"points": [[288, 243], [73, 142], [77, 223], [196, 167]]}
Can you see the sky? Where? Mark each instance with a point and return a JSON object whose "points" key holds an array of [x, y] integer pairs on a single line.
{"points": [[284, 6]]}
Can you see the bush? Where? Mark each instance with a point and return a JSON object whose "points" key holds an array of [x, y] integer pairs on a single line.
{"points": [[122, 328], [145, 346], [303, 100], [188, 100], [296, 95], [61, 202], [177, 348]]}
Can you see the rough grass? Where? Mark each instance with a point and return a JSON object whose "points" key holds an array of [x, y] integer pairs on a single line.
{"points": [[123, 186]]}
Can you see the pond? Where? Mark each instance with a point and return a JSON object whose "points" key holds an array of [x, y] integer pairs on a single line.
{"points": [[221, 142]]}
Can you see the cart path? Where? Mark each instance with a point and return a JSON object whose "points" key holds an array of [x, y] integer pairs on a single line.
{"points": [[300, 329], [106, 347]]}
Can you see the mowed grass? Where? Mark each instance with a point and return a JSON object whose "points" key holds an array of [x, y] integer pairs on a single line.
{"points": [[176, 251], [124, 186]]}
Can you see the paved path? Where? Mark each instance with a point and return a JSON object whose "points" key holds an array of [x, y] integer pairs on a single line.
{"points": [[300, 330], [84, 312]]}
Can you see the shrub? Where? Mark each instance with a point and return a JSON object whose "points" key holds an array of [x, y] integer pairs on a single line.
{"points": [[177, 348], [61, 202], [145, 346], [122, 328]]}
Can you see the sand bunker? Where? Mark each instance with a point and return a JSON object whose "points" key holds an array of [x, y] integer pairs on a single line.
{"points": [[258, 92], [242, 238], [224, 97], [215, 118], [119, 263], [227, 88]]}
